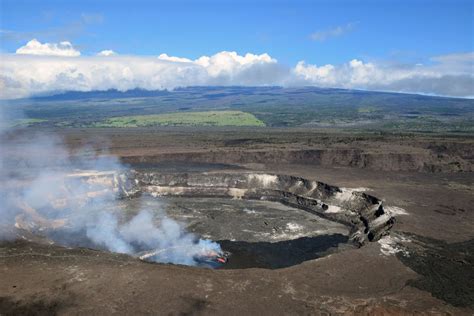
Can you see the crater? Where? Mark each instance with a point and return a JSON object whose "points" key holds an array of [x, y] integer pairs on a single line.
{"points": [[263, 220], [259, 220]]}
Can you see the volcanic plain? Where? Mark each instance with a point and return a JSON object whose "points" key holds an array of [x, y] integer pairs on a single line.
{"points": [[422, 263]]}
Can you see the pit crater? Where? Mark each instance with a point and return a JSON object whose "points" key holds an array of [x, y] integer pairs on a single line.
{"points": [[264, 220]]}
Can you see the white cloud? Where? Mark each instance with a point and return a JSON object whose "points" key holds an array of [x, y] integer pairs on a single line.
{"points": [[323, 74], [173, 58], [34, 47], [106, 52], [25, 75], [323, 35], [450, 75], [224, 63], [230, 63]]}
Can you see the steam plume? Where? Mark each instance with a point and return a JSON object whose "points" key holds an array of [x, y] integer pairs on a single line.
{"points": [[40, 195]]}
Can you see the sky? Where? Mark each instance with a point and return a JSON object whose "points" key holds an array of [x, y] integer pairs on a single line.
{"points": [[406, 46]]}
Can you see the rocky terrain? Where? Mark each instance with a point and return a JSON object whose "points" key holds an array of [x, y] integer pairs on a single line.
{"points": [[362, 213], [406, 200]]}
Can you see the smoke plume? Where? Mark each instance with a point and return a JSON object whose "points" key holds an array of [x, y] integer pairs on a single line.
{"points": [[70, 197]]}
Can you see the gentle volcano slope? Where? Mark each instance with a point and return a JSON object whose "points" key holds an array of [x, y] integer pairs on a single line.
{"points": [[274, 106]]}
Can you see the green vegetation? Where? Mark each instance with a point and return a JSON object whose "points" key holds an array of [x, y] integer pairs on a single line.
{"points": [[28, 122], [367, 109], [207, 118], [253, 106]]}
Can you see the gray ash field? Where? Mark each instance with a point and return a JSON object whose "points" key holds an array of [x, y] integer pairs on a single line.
{"points": [[258, 234], [316, 220], [249, 221]]}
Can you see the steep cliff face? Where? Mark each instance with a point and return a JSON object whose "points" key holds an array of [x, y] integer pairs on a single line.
{"points": [[422, 160], [363, 213]]}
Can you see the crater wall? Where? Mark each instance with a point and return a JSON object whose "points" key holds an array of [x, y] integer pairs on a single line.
{"points": [[362, 213]]}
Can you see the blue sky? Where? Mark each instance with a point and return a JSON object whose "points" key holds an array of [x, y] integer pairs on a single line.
{"points": [[402, 31], [414, 46]]}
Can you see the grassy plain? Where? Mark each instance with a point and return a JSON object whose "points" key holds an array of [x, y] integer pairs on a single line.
{"points": [[252, 106], [207, 118]]}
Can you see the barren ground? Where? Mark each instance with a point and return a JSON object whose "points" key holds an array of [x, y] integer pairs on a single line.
{"points": [[428, 176]]}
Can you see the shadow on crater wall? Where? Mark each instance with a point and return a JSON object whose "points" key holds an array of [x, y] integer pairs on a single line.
{"points": [[281, 254]]}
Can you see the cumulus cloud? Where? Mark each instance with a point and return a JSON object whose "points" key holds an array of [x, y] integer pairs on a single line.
{"points": [[106, 52], [174, 58], [23, 75], [449, 75], [321, 36], [34, 47], [224, 63], [230, 63]]}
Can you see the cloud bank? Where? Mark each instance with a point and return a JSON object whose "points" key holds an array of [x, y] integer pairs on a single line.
{"points": [[449, 75], [39, 68]]}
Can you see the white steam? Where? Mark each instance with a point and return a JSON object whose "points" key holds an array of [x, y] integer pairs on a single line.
{"points": [[43, 195]]}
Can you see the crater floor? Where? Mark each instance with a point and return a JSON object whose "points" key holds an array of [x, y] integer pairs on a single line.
{"points": [[243, 220], [261, 234]]}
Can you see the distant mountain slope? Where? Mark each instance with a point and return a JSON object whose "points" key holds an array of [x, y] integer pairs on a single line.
{"points": [[107, 94], [222, 91], [275, 106]]}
